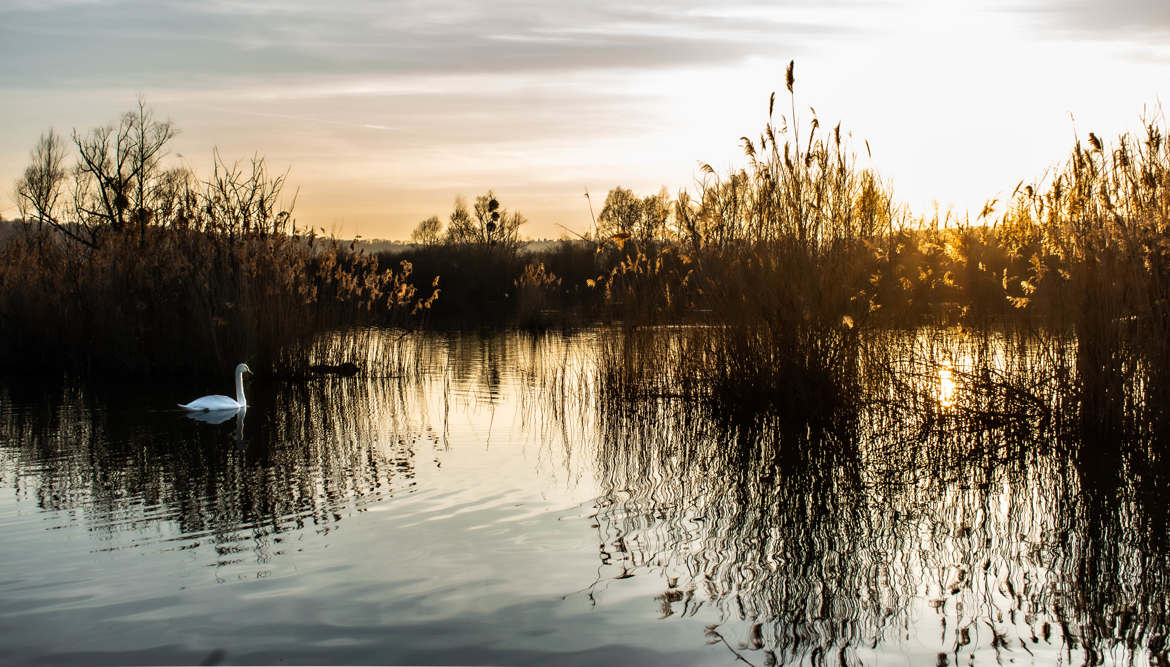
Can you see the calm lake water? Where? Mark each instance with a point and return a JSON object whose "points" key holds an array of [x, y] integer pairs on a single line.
{"points": [[492, 507]]}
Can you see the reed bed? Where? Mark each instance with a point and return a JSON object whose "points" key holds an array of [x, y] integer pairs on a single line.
{"points": [[790, 263], [125, 267], [783, 264]]}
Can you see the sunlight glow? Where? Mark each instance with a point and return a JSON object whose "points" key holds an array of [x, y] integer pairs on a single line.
{"points": [[946, 386], [384, 122]]}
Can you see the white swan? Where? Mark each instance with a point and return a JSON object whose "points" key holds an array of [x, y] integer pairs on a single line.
{"points": [[219, 401]]}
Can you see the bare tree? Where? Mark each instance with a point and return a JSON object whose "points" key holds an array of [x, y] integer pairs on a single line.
{"points": [[119, 184], [490, 225], [117, 169], [245, 200], [624, 213], [620, 214], [148, 140], [461, 228], [428, 232], [654, 216], [487, 223], [178, 200], [39, 190]]}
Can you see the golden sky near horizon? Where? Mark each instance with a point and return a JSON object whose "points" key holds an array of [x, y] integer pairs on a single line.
{"points": [[386, 111]]}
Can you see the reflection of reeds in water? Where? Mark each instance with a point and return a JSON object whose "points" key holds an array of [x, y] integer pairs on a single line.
{"points": [[1018, 510], [1024, 512], [320, 451], [756, 519], [312, 450], [734, 371], [368, 352]]}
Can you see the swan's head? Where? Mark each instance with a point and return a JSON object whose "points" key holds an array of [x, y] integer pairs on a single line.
{"points": [[242, 368]]}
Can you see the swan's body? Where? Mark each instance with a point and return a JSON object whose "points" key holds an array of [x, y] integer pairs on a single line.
{"points": [[218, 402], [215, 403]]}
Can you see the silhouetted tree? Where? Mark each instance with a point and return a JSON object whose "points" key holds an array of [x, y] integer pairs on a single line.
{"points": [[644, 219], [115, 180], [460, 227], [38, 191], [487, 223], [654, 213], [428, 232], [117, 170], [620, 213]]}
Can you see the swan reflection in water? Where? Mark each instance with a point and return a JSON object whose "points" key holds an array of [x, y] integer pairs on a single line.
{"points": [[217, 416], [221, 416]]}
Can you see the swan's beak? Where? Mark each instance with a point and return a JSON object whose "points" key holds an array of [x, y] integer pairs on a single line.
{"points": [[248, 369]]}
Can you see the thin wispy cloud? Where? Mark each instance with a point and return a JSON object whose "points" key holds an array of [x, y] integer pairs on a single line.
{"points": [[109, 41], [1132, 20]]}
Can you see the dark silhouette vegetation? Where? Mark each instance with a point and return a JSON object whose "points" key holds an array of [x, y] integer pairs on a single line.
{"points": [[787, 266], [785, 263], [1013, 451], [123, 266]]}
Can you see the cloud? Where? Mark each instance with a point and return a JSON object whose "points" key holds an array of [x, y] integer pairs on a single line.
{"points": [[151, 43], [1132, 20]]}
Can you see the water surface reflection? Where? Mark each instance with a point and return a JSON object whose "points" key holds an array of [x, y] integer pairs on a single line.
{"points": [[973, 506], [491, 503]]}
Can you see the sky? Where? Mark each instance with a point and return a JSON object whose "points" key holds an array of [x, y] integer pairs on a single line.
{"points": [[383, 111]]}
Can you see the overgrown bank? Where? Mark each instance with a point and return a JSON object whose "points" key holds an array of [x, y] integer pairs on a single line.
{"points": [[125, 265]]}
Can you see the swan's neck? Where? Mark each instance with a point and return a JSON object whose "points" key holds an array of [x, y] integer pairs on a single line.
{"points": [[240, 389]]}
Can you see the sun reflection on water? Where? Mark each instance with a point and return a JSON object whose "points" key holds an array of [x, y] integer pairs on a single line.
{"points": [[946, 386]]}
